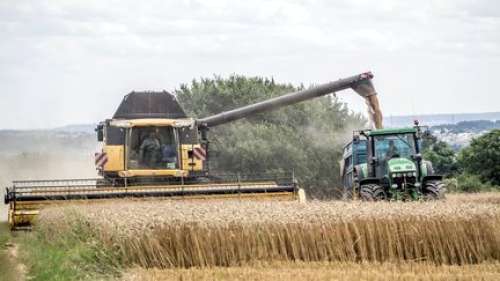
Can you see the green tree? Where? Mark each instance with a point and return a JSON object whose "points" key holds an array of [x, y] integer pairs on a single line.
{"points": [[428, 139], [482, 157], [306, 138], [465, 182], [441, 155]]}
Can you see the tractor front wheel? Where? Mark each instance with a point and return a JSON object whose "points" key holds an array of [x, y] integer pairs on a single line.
{"points": [[434, 190], [372, 192]]}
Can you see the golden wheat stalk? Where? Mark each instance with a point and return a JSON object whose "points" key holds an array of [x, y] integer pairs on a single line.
{"points": [[215, 233]]}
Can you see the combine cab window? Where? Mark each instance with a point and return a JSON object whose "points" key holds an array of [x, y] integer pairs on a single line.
{"points": [[391, 146], [114, 135], [188, 135], [152, 148]]}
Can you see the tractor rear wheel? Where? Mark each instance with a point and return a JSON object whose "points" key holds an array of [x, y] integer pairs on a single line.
{"points": [[434, 190], [372, 192]]}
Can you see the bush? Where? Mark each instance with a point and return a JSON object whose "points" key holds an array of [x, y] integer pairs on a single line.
{"points": [[441, 155], [466, 183], [482, 157], [451, 184]]}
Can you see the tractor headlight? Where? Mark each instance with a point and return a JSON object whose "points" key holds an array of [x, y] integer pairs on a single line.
{"points": [[394, 175], [409, 174]]}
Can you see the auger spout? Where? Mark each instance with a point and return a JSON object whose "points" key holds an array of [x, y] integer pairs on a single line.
{"points": [[360, 83]]}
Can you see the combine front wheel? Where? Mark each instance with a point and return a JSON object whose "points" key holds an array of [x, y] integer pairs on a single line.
{"points": [[372, 192]]}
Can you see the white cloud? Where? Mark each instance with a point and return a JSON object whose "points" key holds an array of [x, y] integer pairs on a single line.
{"points": [[428, 56]]}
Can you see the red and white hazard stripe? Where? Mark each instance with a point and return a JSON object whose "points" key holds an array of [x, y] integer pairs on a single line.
{"points": [[200, 153], [101, 158]]}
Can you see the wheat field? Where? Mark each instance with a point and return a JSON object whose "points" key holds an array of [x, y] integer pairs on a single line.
{"points": [[463, 229], [322, 271]]}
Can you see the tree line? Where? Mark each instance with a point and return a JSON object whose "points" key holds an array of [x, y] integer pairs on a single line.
{"points": [[305, 139], [471, 169]]}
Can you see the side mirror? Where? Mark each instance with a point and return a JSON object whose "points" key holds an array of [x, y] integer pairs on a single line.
{"points": [[100, 132]]}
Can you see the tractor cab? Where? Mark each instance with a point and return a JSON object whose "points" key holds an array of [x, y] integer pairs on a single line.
{"points": [[393, 153], [387, 164]]}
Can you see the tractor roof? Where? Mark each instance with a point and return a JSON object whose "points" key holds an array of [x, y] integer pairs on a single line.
{"points": [[392, 131], [149, 105]]}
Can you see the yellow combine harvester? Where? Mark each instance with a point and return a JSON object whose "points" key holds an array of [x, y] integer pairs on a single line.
{"points": [[150, 148]]}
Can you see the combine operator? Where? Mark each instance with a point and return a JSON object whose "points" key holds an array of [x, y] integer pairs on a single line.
{"points": [[150, 150]]}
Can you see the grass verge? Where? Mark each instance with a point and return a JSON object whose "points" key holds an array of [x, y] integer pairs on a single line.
{"points": [[7, 266], [72, 254]]}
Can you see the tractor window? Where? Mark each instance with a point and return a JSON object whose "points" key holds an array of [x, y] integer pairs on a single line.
{"points": [[359, 152], [391, 146], [152, 148]]}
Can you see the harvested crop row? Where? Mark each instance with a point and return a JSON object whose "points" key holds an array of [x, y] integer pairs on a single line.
{"points": [[225, 233]]}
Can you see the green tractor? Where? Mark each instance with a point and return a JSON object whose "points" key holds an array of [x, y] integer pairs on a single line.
{"points": [[387, 164]]}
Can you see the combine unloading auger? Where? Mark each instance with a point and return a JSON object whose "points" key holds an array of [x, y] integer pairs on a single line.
{"points": [[361, 84], [150, 148]]}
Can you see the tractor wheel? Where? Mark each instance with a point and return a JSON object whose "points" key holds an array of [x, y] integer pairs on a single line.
{"points": [[434, 190], [372, 192]]}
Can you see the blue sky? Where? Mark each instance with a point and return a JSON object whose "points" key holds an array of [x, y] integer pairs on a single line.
{"points": [[66, 62]]}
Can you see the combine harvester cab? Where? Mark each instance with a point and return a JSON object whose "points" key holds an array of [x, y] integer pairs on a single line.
{"points": [[150, 138], [150, 148]]}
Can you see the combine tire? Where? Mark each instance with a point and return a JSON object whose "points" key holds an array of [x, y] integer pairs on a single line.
{"points": [[372, 192], [434, 190]]}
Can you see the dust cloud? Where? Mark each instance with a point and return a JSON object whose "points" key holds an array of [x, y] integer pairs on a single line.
{"points": [[20, 162]]}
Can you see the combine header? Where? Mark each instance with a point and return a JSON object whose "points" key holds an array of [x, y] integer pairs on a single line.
{"points": [[150, 148]]}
